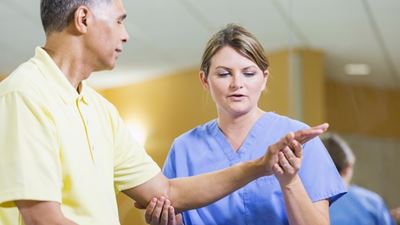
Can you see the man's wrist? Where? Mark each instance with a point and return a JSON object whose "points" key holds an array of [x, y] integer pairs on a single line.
{"points": [[259, 169]]}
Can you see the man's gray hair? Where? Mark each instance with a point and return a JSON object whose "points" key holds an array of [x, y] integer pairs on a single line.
{"points": [[56, 14]]}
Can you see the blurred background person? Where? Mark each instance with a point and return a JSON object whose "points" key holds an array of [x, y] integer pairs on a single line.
{"points": [[359, 206]]}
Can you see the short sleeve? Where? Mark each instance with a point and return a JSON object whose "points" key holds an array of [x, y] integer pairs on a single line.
{"points": [[169, 168], [319, 174], [29, 150], [382, 213], [132, 165]]}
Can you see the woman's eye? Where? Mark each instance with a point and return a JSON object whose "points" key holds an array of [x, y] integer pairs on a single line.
{"points": [[249, 74], [223, 74]]}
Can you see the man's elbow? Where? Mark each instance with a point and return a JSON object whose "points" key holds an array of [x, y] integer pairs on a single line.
{"points": [[42, 213]]}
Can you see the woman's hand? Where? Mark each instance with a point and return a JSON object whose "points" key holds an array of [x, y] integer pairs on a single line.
{"points": [[289, 163], [272, 156], [160, 212]]}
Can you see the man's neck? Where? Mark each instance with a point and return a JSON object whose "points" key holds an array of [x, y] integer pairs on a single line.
{"points": [[68, 56]]}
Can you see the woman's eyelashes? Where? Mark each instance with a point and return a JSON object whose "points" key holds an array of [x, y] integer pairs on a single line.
{"points": [[224, 74], [249, 74], [227, 73]]}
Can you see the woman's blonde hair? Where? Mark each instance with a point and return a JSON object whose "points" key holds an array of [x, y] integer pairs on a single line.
{"points": [[237, 37]]}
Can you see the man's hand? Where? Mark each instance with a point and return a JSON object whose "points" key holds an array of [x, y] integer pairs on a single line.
{"points": [[160, 212], [302, 136]]}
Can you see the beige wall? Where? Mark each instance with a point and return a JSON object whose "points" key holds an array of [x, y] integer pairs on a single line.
{"points": [[175, 103], [363, 110]]}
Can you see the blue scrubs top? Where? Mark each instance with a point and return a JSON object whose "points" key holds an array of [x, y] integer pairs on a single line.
{"points": [[360, 207], [205, 149]]}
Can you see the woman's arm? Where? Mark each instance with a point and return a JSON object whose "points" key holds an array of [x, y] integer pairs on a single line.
{"points": [[299, 207]]}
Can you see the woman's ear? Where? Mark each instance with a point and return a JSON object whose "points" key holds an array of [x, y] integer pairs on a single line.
{"points": [[203, 79], [266, 75], [81, 17]]}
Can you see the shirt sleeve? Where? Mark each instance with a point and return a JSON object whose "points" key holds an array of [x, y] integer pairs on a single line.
{"points": [[319, 174], [169, 168], [132, 165], [29, 150], [382, 213]]}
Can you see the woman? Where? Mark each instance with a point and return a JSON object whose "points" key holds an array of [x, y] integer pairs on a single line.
{"points": [[234, 70]]}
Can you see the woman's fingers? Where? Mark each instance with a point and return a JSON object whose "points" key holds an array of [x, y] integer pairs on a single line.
{"points": [[149, 210], [284, 163], [156, 215]]}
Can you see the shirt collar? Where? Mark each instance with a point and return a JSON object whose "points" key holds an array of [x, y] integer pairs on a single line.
{"points": [[57, 78]]}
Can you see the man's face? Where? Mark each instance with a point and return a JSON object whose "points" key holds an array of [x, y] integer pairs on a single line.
{"points": [[106, 35]]}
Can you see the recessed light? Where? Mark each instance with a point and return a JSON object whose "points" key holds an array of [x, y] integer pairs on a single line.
{"points": [[359, 69]]}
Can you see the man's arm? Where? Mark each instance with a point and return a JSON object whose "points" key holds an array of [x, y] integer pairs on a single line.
{"points": [[42, 213], [197, 191]]}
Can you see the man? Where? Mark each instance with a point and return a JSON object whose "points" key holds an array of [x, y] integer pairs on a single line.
{"points": [[359, 206], [64, 149]]}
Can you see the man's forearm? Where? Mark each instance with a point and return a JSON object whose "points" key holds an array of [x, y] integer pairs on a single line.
{"points": [[194, 192]]}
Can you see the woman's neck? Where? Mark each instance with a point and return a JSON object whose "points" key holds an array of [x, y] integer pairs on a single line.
{"points": [[236, 128]]}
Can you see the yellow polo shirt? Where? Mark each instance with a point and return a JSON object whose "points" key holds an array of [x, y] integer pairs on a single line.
{"points": [[59, 145]]}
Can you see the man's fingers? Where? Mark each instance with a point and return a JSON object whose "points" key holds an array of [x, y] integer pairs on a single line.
{"points": [[305, 135], [150, 209], [282, 143]]}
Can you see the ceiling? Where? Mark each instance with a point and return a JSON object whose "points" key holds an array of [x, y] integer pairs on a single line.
{"points": [[166, 35]]}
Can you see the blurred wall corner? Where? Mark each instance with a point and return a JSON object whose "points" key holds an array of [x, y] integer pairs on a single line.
{"points": [[296, 85]]}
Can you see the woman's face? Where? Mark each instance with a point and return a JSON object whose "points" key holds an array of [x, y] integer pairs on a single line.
{"points": [[234, 81]]}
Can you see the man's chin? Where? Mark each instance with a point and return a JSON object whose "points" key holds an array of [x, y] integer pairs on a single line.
{"points": [[105, 68]]}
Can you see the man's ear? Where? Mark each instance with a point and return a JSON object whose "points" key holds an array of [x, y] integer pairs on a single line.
{"points": [[203, 79], [81, 17]]}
